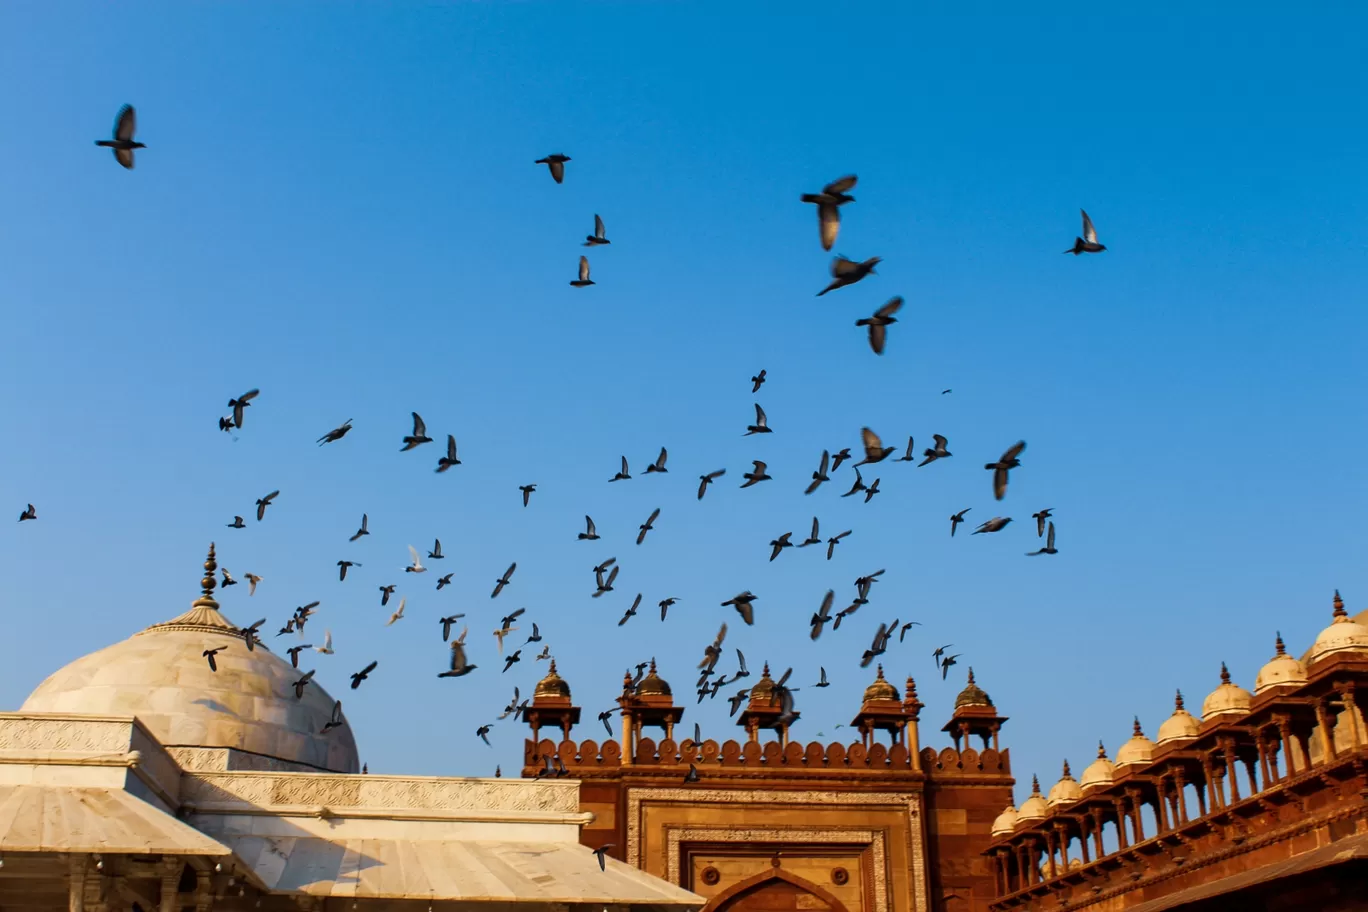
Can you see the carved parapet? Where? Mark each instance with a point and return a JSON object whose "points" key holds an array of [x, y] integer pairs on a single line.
{"points": [[588, 756], [966, 762]]}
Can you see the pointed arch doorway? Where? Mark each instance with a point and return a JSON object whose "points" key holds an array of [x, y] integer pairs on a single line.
{"points": [[775, 890]]}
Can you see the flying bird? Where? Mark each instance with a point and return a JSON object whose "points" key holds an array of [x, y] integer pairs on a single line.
{"points": [[600, 236], [252, 580], [417, 565], [879, 323], [858, 486], [240, 403], [820, 475], [631, 612], [385, 593], [996, 524], [436, 552], [237, 522], [691, 775], [872, 490], [761, 425], [1040, 520], [758, 381], [590, 532], [342, 566], [556, 164], [419, 435], [604, 585], [301, 684], [665, 605], [946, 663], [902, 631], [449, 459], [365, 519], [874, 449], [398, 614], [125, 125], [459, 667], [742, 671], [823, 682], [659, 464], [1049, 544], [483, 733], [504, 580], [210, 653], [648, 525], [1088, 242], [848, 272], [829, 203], [822, 616], [444, 581], [756, 475], [362, 675], [446, 623], [335, 721], [833, 542], [265, 502], [327, 647], [840, 457], [907, 457], [622, 473], [512, 660], [336, 433], [937, 452], [744, 606], [864, 583], [249, 634], [1002, 466], [227, 578], [956, 519], [705, 480], [583, 280], [600, 852], [814, 538], [940, 651], [536, 636], [527, 492], [294, 652], [780, 543]]}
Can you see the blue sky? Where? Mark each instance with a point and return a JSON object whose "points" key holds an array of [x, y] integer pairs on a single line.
{"points": [[341, 208]]}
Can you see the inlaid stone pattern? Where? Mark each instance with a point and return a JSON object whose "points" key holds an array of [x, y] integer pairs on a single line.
{"points": [[70, 735], [381, 792], [226, 759]]}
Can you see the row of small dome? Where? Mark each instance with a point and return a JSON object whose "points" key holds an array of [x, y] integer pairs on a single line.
{"points": [[1344, 634]]}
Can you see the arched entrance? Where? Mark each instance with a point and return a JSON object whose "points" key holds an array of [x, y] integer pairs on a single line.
{"points": [[774, 891]]}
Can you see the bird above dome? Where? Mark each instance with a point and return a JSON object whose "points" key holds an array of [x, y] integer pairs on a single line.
{"points": [[1138, 750], [1180, 726], [653, 685], [880, 689], [1281, 671], [553, 685], [973, 695], [1065, 791], [1101, 772], [1343, 635], [1226, 700]]}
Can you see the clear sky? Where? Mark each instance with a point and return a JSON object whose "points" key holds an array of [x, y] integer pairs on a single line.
{"points": [[338, 205]]}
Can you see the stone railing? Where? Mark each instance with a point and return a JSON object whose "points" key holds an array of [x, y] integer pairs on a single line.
{"points": [[588, 755]]}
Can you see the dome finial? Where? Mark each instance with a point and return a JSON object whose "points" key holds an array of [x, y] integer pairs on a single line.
{"points": [[1035, 784], [1282, 650], [1066, 770], [910, 692], [553, 667], [879, 676], [1178, 701], [1135, 729], [1101, 751], [207, 584], [1339, 606], [653, 665], [764, 672], [1225, 674], [971, 674]]}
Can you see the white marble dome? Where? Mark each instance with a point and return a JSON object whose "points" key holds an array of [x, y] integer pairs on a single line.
{"points": [[1226, 700], [1034, 807], [1280, 671], [1065, 791], [1099, 773], [162, 677], [1344, 634], [1181, 726], [1006, 822], [1137, 751]]}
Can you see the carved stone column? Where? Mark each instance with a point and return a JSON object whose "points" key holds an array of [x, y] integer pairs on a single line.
{"points": [[76, 868], [170, 884], [1327, 728]]}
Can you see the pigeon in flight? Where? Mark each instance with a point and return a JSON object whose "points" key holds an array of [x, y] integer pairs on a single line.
{"points": [[622, 473], [857, 487], [600, 852], [872, 490], [294, 652], [604, 585], [648, 525], [833, 542], [365, 519], [631, 612], [336, 433], [1040, 520], [398, 614], [840, 457], [249, 635], [583, 280], [444, 581], [125, 125], [823, 615], [417, 565], [879, 323], [947, 662], [847, 272], [756, 475], [556, 164], [744, 606], [956, 519], [902, 631], [240, 403], [335, 720], [459, 666], [1000, 468], [446, 623], [419, 435], [483, 733], [761, 425], [874, 449], [385, 593], [265, 502], [342, 566], [237, 522], [210, 653], [301, 684], [504, 580], [823, 682], [829, 203], [327, 647], [779, 544], [252, 580], [600, 236], [937, 452], [691, 775], [436, 552], [362, 675], [527, 492], [907, 457], [512, 660], [449, 459], [758, 381], [590, 532], [814, 538], [820, 475], [536, 636], [665, 605], [1049, 544], [659, 464], [705, 480], [1088, 242], [996, 524]]}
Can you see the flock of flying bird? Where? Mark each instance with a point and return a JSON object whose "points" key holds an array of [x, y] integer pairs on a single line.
{"points": [[844, 272]]}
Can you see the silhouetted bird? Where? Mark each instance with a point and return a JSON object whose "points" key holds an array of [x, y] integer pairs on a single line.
{"points": [[237, 522], [365, 519], [599, 236], [342, 566], [241, 403], [527, 492], [1002, 466], [556, 164], [938, 452], [755, 475], [336, 433], [648, 525], [833, 542], [265, 502], [362, 675], [907, 457], [874, 449], [1040, 520], [622, 473], [659, 464], [878, 324], [822, 616], [504, 580], [820, 475], [780, 543], [758, 381], [996, 524], [449, 459], [1088, 242], [744, 606], [459, 666], [125, 125], [705, 480], [848, 272], [1049, 544], [761, 425], [583, 280], [956, 519], [419, 435], [829, 203], [590, 532], [210, 653]]}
